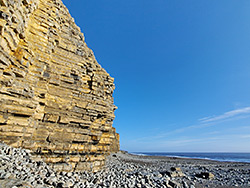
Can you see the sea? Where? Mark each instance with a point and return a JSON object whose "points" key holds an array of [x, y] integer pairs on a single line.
{"points": [[226, 157]]}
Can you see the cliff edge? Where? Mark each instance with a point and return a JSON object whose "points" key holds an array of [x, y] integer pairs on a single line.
{"points": [[55, 99]]}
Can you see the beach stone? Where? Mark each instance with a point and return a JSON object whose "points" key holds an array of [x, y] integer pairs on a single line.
{"points": [[68, 184], [174, 184], [185, 185], [177, 169], [175, 172], [205, 175]]}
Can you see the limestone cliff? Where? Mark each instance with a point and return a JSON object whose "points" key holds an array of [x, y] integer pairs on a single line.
{"points": [[55, 99]]}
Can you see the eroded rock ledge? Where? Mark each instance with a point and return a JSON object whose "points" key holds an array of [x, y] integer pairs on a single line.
{"points": [[55, 99]]}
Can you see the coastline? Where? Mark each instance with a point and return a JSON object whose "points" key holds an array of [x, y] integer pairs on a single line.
{"points": [[176, 156], [223, 174], [123, 170]]}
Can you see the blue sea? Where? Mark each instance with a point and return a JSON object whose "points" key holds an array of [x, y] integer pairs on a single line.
{"points": [[229, 157]]}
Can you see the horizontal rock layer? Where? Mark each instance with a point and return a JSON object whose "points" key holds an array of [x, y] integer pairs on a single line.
{"points": [[55, 99]]}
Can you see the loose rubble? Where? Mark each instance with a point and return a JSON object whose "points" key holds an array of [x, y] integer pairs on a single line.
{"points": [[17, 169]]}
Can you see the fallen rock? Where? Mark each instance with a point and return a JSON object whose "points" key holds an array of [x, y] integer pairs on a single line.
{"points": [[205, 175], [174, 184], [175, 172]]}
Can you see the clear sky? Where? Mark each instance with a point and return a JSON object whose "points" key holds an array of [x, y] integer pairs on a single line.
{"points": [[181, 69]]}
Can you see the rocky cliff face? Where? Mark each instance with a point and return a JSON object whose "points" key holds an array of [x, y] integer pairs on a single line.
{"points": [[55, 99]]}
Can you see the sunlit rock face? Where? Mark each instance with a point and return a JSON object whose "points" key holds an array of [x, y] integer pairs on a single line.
{"points": [[55, 99]]}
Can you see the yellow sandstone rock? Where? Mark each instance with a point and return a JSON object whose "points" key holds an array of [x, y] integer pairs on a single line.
{"points": [[55, 99]]}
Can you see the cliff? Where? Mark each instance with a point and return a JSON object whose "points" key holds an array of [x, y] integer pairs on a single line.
{"points": [[55, 99]]}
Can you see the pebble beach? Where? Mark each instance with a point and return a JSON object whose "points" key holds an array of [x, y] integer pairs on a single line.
{"points": [[122, 169]]}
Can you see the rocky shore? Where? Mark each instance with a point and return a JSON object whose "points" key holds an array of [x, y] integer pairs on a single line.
{"points": [[17, 169]]}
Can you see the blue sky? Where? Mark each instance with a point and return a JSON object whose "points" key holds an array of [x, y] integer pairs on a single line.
{"points": [[181, 69]]}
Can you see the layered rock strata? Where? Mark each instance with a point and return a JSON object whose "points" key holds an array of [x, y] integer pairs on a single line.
{"points": [[55, 99]]}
